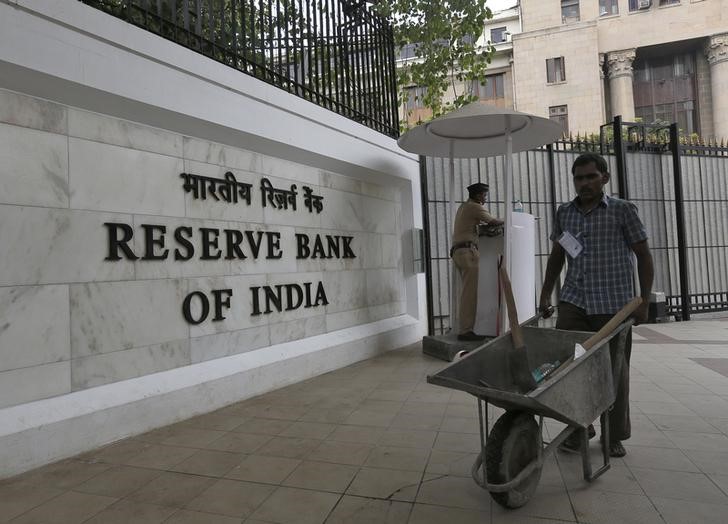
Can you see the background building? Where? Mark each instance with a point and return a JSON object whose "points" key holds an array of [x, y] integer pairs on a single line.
{"points": [[657, 60], [583, 62], [498, 89]]}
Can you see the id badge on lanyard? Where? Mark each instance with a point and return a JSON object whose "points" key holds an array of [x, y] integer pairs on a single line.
{"points": [[571, 244]]}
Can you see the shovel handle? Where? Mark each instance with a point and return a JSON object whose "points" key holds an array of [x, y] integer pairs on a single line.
{"points": [[516, 334], [610, 326], [613, 323]]}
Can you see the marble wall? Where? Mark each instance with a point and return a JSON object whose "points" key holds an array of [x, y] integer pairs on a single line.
{"points": [[72, 320]]}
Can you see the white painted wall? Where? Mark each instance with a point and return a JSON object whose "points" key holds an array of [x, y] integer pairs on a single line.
{"points": [[97, 120]]}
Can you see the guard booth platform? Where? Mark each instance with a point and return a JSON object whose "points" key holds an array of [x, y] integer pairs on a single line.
{"points": [[491, 316]]}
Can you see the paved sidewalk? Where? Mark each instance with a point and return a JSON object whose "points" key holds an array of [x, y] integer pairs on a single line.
{"points": [[374, 443]]}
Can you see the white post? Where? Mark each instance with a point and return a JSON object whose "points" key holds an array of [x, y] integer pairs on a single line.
{"points": [[509, 196], [507, 230], [454, 313]]}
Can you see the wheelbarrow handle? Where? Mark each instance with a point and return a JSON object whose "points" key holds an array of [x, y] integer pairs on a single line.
{"points": [[619, 317]]}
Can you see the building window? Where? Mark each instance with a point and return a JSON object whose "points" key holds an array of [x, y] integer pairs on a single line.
{"points": [[637, 5], [669, 2], [415, 98], [498, 34], [492, 88], [608, 7], [560, 114], [664, 90], [555, 70], [569, 11]]}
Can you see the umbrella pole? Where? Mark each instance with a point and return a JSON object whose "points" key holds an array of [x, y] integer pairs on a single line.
{"points": [[508, 173], [454, 313]]}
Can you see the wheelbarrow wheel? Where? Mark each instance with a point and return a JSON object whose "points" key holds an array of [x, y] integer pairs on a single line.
{"points": [[513, 443]]}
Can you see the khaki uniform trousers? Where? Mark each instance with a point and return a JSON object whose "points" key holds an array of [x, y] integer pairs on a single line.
{"points": [[467, 261]]}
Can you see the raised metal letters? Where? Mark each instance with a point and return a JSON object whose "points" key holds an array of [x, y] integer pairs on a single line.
{"points": [[229, 189]]}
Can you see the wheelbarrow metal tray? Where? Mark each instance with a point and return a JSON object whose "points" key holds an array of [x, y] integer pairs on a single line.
{"points": [[576, 395]]}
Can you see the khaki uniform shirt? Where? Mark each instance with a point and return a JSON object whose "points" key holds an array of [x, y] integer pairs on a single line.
{"points": [[467, 218]]}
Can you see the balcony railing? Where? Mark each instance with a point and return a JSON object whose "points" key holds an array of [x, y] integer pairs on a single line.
{"points": [[334, 53]]}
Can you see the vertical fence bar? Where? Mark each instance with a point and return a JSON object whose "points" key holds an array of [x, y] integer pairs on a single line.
{"points": [[343, 36], [313, 45], [619, 154], [326, 55], [680, 219], [552, 182], [243, 36], [295, 28], [383, 61], [253, 37], [333, 53], [364, 72], [356, 69], [234, 34], [394, 115], [427, 263], [268, 36], [279, 20], [223, 45], [284, 45]]}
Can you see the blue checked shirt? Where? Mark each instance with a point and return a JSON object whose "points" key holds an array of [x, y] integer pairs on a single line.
{"points": [[599, 279]]}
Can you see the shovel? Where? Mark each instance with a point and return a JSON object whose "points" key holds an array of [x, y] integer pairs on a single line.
{"points": [[619, 317], [518, 355]]}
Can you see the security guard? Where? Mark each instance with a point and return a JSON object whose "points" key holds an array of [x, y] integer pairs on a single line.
{"points": [[464, 252]]}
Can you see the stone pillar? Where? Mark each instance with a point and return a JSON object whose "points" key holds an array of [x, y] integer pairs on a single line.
{"points": [[619, 71], [704, 96], [716, 51]]}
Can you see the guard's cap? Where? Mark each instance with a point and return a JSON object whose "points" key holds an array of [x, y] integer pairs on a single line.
{"points": [[478, 187]]}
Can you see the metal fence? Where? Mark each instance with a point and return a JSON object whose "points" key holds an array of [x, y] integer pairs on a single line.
{"points": [[680, 189], [334, 53]]}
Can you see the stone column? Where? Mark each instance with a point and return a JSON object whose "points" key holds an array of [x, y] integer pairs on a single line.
{"points": [[602, 88], [716, 51], [619, 71]]}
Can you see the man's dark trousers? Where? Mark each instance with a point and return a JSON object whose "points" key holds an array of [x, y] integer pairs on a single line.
{"points": [[574, 318]]}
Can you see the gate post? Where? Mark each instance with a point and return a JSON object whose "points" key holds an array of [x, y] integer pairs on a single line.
{"points": [[680, 218], [424, 197], [619, 156], [552, 181]]}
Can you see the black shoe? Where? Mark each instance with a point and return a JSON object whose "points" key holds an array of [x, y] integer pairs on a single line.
{"points": [[471, 336], [616, 449], [572, 444]]}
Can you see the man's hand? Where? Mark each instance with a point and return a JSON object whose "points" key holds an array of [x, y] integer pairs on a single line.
{"points": [[545, 308], [641, 313], [553, 268]]}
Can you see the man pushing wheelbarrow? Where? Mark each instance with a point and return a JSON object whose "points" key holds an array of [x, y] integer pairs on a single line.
{"points": [[569, 374], [598, 235]]}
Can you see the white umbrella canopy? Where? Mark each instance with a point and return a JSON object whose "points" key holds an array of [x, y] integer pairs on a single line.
{"points": [[478, 131]]}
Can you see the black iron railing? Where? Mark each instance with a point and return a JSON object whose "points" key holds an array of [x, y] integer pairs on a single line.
{"points": [[334, 53]]}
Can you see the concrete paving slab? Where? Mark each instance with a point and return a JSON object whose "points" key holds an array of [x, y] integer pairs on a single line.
{"points": [[375, 443]]}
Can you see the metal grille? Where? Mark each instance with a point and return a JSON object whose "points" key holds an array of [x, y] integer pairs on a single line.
{"points": [[705, 189], [334, 53]]}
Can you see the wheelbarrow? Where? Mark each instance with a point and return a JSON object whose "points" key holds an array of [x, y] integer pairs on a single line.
{"points": [[578, 392]]}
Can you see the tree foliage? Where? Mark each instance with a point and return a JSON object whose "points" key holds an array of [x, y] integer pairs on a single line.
{"points": [[447, 55]]}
